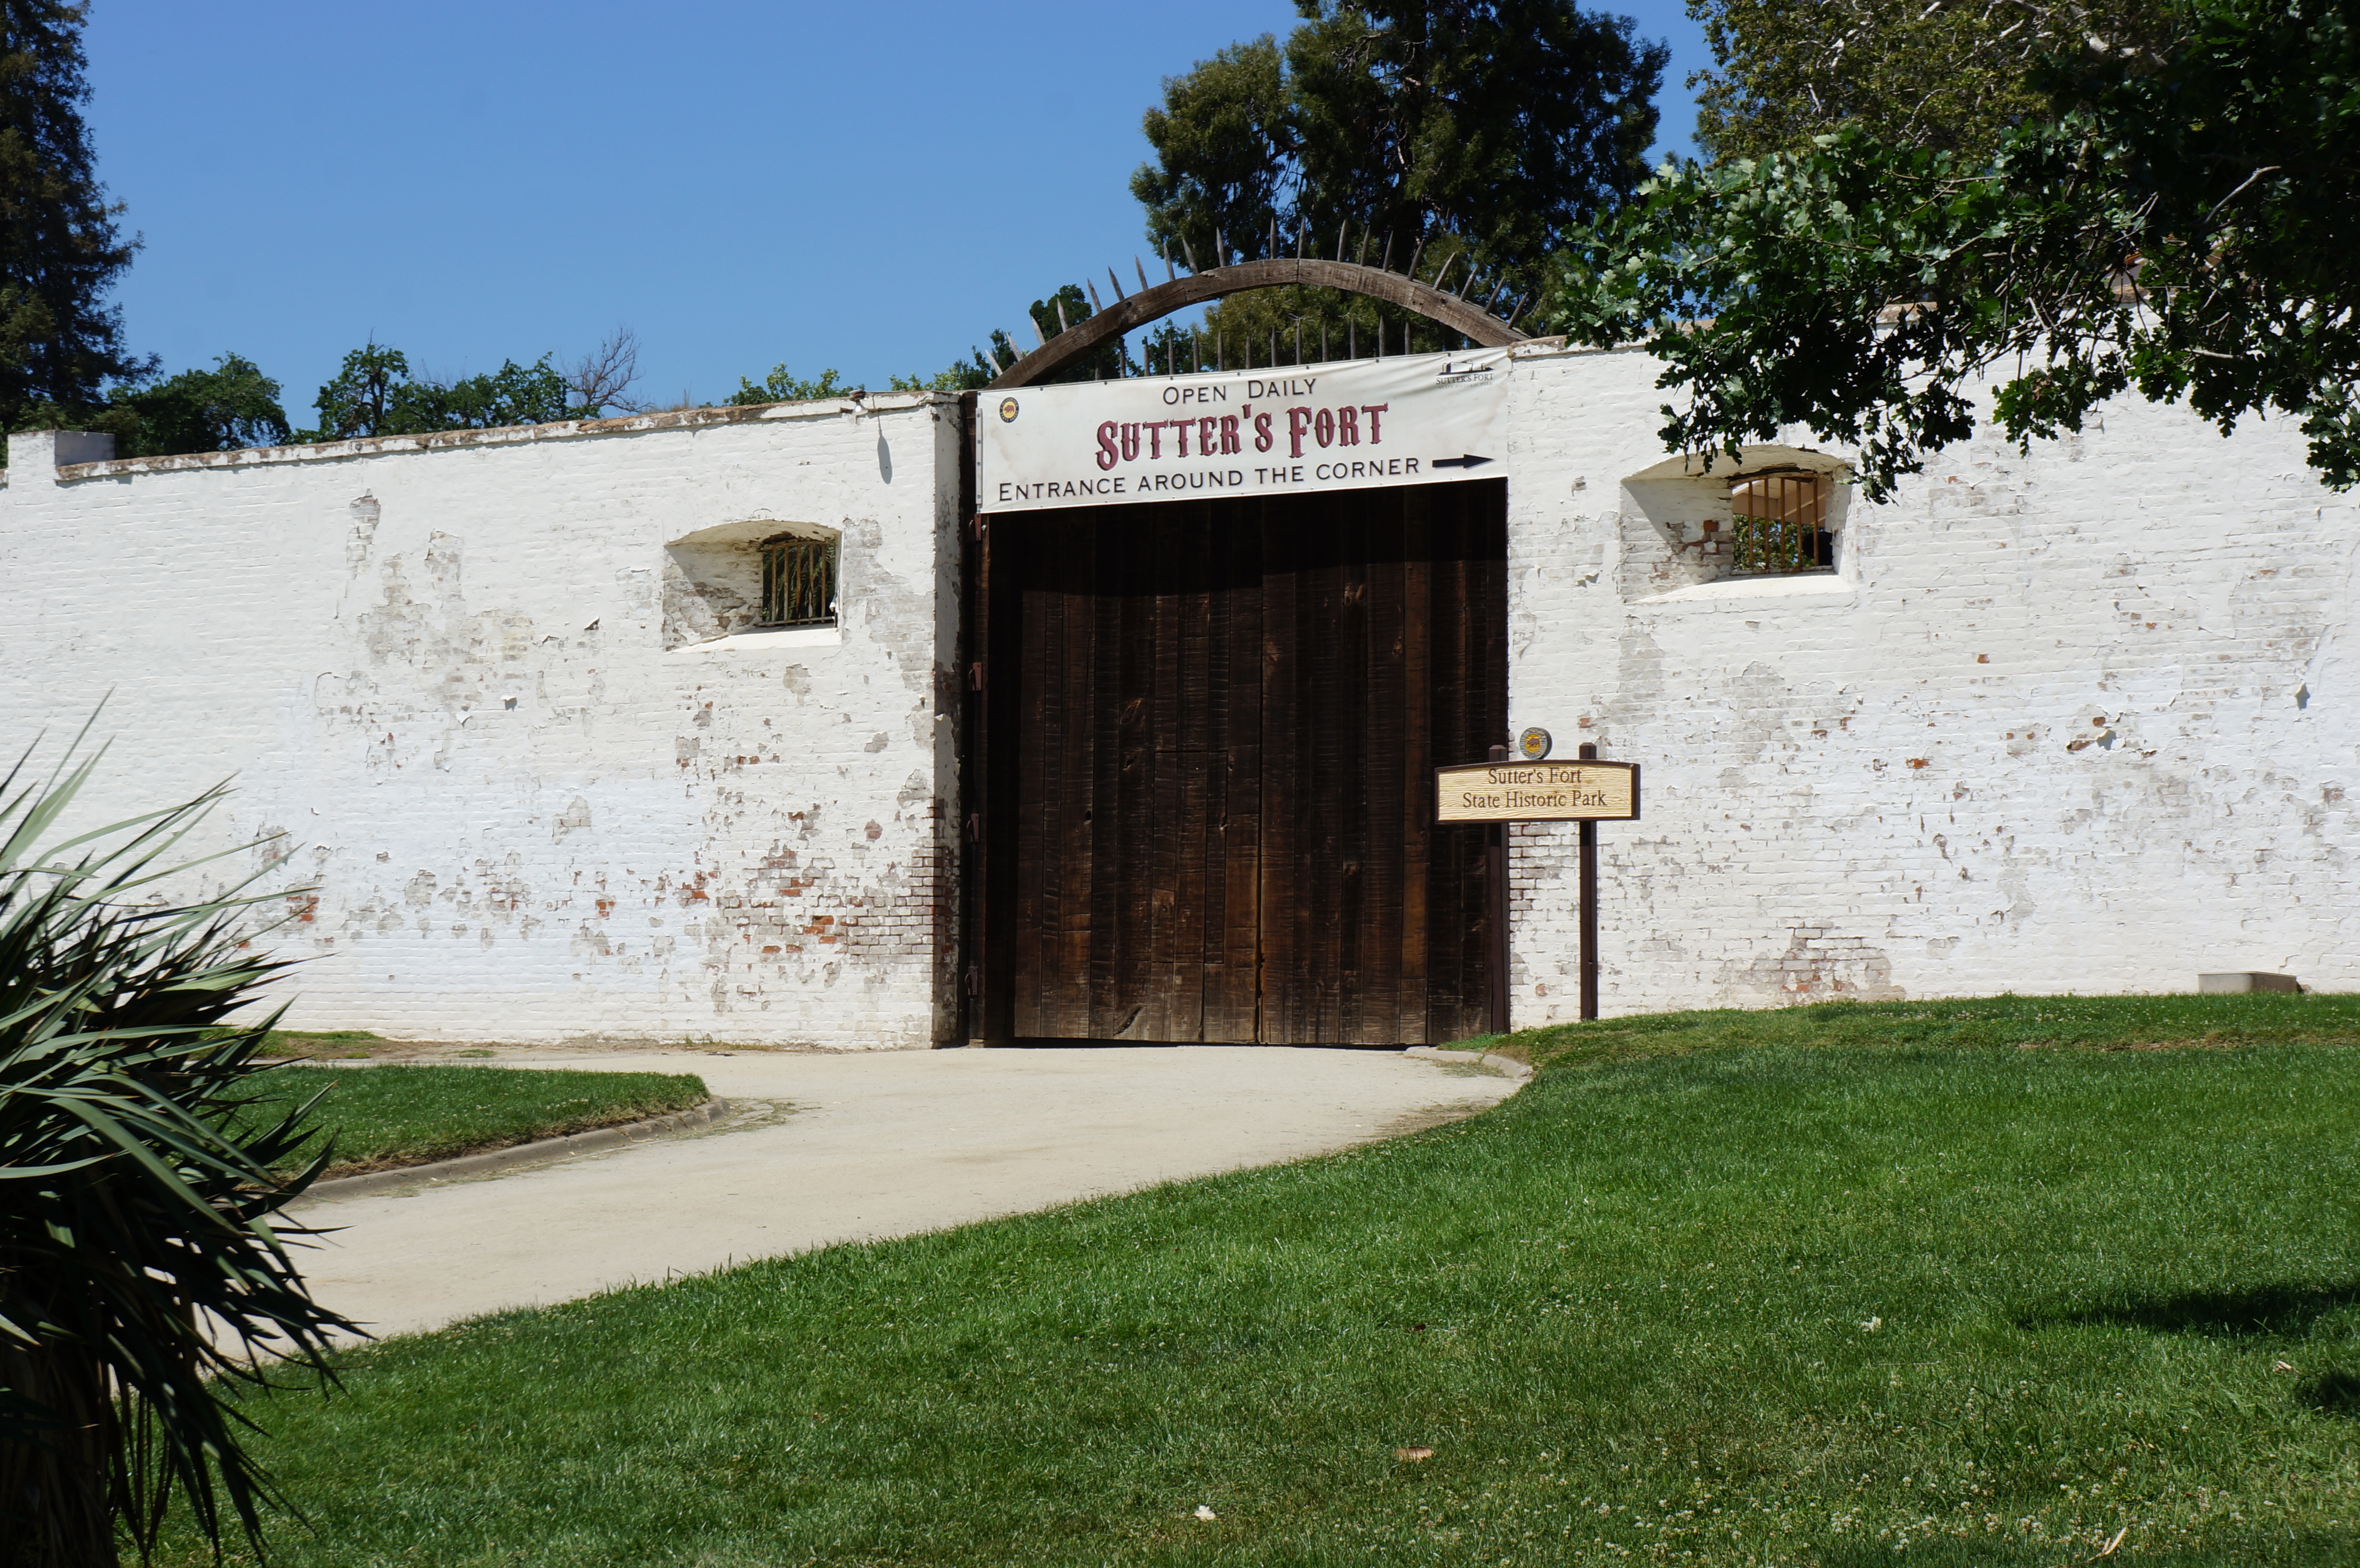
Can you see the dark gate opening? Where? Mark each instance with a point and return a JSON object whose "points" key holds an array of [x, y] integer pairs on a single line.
{"points": [[1207, 776]]}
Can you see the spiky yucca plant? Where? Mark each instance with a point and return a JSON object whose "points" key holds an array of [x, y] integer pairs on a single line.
{"points": [[144, 1285]]}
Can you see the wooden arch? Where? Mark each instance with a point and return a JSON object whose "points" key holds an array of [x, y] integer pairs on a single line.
{"points": [[1438, 305]]}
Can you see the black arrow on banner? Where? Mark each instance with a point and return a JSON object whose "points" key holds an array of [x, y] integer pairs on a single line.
{"points": [[1469, 461]]}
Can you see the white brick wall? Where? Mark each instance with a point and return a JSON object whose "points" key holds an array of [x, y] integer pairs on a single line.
{"points": [[1862, 785], [1869, 790], [438, 667]]}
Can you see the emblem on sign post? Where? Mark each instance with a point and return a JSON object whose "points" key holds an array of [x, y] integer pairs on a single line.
{"points": [[1533, 745]]}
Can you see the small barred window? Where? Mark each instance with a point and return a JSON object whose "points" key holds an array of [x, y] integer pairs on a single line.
{"points": [[1778, 523], [798, 582]]}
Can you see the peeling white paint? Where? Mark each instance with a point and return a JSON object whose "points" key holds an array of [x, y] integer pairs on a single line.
{"points": [[2064, 721], [444, 661], [2079, 720]]}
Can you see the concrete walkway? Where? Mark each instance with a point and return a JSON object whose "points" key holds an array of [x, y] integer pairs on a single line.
{"points": [[877, 1145]]}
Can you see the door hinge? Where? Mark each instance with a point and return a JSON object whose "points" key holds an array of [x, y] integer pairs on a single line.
{"points": [[974, 827], [974, 676], [974, 980]]}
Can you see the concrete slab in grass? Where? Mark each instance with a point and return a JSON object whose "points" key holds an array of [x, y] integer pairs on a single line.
{"points": [[880, 1144], [2239, 981]]}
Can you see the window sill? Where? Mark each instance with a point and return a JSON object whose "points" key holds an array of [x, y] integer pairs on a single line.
{"points": [[758, 642], [1825, 587]]}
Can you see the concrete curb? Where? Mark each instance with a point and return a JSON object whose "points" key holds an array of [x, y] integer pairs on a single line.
{"points": [[492, 1160], [1507, 1065]]}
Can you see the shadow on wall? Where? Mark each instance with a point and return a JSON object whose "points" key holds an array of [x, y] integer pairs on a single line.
{"points": [[713, 578]]}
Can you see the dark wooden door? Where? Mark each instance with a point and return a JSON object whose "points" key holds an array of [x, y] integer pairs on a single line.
{"points": [[1229, 717]]}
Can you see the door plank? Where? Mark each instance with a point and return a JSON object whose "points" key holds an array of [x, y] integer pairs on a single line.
{"points": [[1416, 762], [1376, 1009], [1281, 980], [1181, 929], [1233, 1005]]}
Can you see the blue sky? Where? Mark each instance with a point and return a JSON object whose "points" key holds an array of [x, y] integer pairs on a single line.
{"points": [[870, 188]]}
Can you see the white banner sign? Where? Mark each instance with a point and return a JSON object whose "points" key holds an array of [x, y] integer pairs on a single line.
{"points": [[1411, 420]]}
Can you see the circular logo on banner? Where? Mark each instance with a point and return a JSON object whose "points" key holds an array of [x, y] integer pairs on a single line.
{"points": [[1008, 411], [1533, 745]]}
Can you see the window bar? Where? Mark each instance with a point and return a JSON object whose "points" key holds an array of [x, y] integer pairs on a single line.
{"points": [[798, 582], [1778, 524]]}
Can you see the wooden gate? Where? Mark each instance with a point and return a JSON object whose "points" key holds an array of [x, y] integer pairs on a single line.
{"points": [[1215, 813]]}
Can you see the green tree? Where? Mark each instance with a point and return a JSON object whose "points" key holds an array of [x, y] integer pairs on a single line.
{"points": [[231, 406], [1483, 127], [2184, 226], [780, 387], [1067, 305], [60, 249], [1226, 167], [374, 394], [144, 1280], [1949, 77], [961, 374], [1299, 324]]}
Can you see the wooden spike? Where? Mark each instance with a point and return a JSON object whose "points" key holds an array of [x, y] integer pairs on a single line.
{"points": [[1449, 262], [1518, 310], [1495, 294], [1140, 268], [1063, 325], [1220, 249], [1118, 294], [1387, 265], [1343, 231], [1362, 259], [1189, 251], [1413, 255], [1169, 275], [1095, 305], [1040, 338]]}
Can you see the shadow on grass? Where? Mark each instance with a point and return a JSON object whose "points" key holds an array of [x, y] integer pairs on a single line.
{"points": [[2334, 1393], [2215, 1314]]}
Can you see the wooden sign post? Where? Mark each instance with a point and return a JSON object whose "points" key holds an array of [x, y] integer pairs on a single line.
{"points": [[1499, 792]]}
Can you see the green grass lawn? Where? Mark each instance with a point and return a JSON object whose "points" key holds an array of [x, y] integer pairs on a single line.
{"points": [[1839, 1286], [331, 1045], [395, 1115]]}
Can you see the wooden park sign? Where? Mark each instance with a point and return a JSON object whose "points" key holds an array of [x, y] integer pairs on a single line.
{"points": [[1537, 792], [1501, 792]]}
